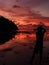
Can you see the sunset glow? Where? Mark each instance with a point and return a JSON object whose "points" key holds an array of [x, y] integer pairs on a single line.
{"points": [[28, 13], [20, 20], [24, 32]]}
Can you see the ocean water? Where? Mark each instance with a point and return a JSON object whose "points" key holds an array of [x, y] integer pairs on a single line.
{"points": [[23, 38]]}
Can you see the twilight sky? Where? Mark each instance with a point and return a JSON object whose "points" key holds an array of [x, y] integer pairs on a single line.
{"points": [[25, 11]]}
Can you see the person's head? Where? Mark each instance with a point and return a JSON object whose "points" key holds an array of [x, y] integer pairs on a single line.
{"points": [[40, 28]]}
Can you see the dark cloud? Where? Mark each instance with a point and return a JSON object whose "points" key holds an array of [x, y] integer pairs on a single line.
{"points": [[16, 0], [16, 6]]}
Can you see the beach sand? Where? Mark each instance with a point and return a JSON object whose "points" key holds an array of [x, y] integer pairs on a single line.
{"points": [[21, 53]]}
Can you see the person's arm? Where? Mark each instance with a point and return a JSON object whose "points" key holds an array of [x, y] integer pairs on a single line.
{"points": [[44, 30]]}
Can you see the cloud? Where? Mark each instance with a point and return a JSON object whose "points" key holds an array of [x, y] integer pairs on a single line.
{"points": [[33, 16], [32, 3], [25, 10], [16, 0], [42, 5], [16, 6]]}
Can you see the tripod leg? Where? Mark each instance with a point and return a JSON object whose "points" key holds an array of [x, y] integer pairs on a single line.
{"points": [[33, 56], [41, 52]]}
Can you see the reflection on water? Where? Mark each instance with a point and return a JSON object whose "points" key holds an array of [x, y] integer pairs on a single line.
{"points": [[21, 38]]}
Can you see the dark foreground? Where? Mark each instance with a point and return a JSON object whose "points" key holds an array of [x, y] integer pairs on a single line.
{"points": [[20, 54]]}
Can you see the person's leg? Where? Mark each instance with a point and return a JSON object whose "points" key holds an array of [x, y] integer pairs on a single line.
{"points": [[41, 53]]}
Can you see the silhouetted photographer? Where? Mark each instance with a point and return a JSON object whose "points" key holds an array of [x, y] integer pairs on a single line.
{"points": [[40, 31]]}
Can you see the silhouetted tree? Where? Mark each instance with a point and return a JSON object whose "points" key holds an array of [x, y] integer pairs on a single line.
{"points": [[7, 29]]}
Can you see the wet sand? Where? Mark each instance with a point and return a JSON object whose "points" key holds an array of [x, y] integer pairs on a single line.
{"points": [[21, 53]]}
